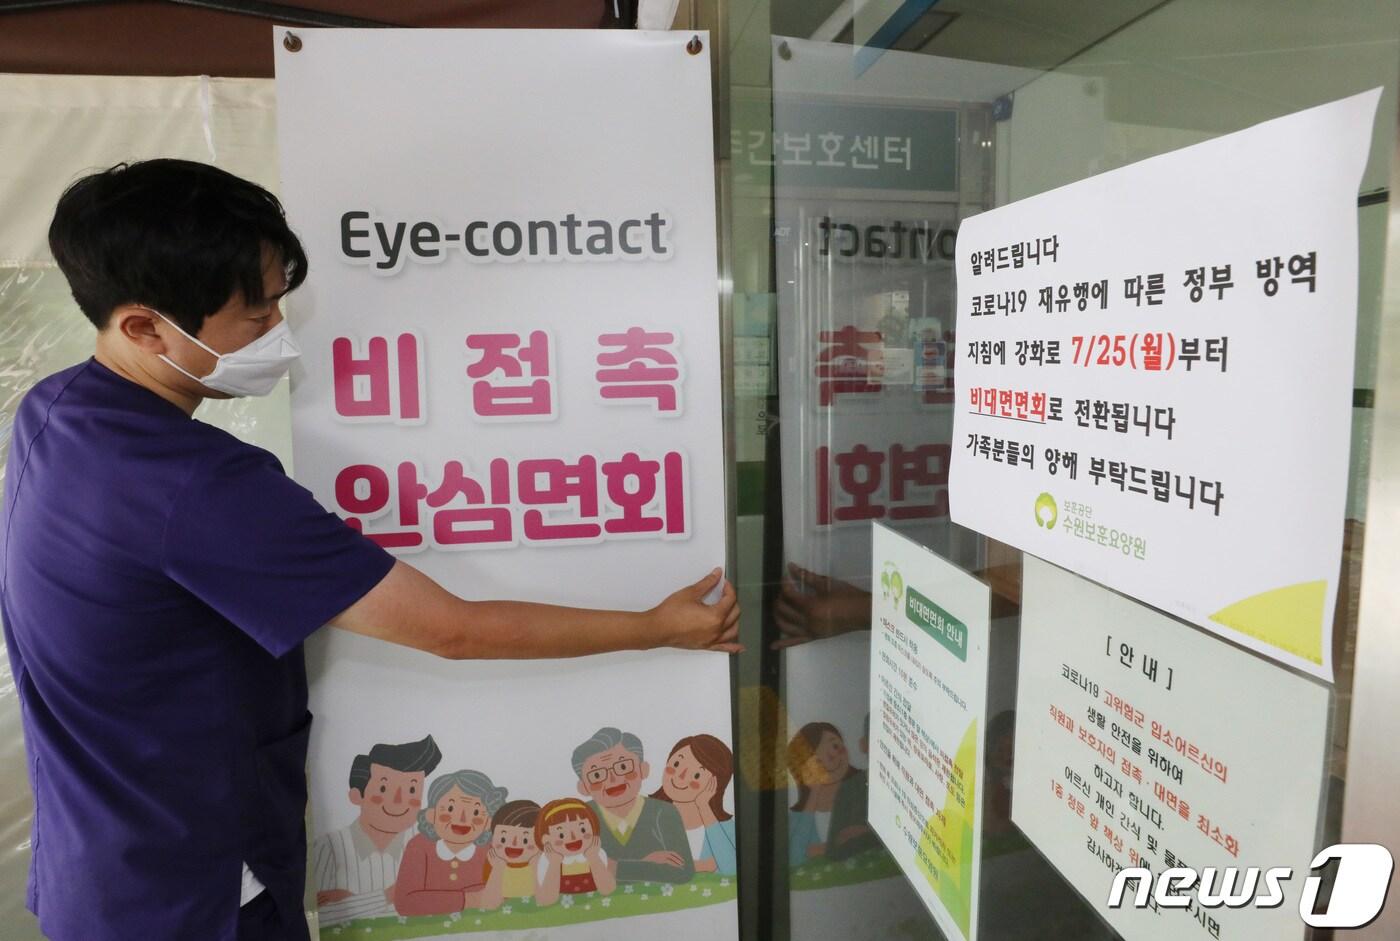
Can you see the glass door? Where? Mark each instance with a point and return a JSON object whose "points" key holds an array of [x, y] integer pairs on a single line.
{"points": [[861, 137]]}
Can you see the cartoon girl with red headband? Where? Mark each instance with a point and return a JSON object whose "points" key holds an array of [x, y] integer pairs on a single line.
{"points": [[567, 831]]}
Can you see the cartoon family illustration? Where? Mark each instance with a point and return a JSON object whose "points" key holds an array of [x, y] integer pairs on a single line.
{"points": [[420, 848], [830, 817]]}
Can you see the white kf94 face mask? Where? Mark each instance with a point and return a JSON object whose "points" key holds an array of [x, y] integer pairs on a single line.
{"points": [[252, 370]]}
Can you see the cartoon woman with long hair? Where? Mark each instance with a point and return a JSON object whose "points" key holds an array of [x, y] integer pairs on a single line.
{"points": [[695, 778], [831, 815]]}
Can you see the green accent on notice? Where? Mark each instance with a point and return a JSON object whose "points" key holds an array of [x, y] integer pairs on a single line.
{"points": [[936, 623]]}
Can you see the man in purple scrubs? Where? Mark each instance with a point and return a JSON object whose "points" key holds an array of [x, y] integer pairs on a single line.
{"points": [[158, 577]]}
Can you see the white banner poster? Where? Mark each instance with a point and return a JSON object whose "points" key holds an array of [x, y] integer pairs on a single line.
{"points": [[929, 650], [1141, 742], [511, 377], [1129, 403]]}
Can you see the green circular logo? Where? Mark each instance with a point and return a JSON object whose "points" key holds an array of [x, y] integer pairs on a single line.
{"points": [[1046, 511]]}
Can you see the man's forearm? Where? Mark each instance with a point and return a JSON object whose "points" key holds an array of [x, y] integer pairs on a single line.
{"points": [[409, 608], [525, 630]]}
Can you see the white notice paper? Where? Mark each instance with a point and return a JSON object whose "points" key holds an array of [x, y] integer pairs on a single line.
{"points": [[928, 696], [1141, 742], [1154, 377]]}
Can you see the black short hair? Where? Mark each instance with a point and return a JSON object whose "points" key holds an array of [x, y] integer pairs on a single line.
{"points": [[411, 756], [178, 236]]}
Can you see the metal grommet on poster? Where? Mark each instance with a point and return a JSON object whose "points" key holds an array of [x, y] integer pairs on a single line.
{"points": [[292, 42], [784, 51], [694, 46]]}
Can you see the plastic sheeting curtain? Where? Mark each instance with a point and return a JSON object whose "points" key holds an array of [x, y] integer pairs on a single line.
{"points": [[53, 129]]}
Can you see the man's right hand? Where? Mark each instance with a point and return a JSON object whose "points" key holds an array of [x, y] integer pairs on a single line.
{"points": [[332, 895], [685, 621], [814, 606]]}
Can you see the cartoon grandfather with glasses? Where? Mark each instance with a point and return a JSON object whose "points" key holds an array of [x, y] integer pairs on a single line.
{"points": [[644, 838]]}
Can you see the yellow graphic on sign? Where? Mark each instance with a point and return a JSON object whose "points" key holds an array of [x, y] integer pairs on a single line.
{"points": [[946, 846], [1289, 618]]}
